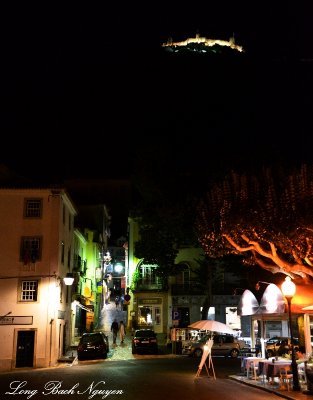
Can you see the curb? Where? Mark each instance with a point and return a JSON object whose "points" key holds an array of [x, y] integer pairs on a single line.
{"points": [[265, 389]]}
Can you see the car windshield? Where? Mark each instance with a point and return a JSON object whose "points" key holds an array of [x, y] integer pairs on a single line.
{"points": [[217, 338], [144, 333], [273, 340], [278, 340]]}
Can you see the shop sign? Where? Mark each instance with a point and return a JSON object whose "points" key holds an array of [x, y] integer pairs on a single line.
{"points": [[16, 320], [152, 300]]}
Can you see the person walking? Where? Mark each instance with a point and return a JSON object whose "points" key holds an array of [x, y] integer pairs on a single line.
{"points": [[114, 330], [117, 301], [122, 331]]}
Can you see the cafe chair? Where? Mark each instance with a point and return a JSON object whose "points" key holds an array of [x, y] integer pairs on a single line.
{"points": [[270, 375], [285, 377], [261, 372], [301, 373], [253, 370]]}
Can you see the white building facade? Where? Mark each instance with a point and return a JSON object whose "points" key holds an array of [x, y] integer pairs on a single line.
{"points": [[36, 248]]}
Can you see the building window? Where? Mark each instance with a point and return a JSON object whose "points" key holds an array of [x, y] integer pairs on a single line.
{"points": [[69, 257], [32, 208], [150, 315], [232, 318], [157, 315], [30, 249], [29, 291], [148, 274], [183, 276], [145, 315], [62, 252]]}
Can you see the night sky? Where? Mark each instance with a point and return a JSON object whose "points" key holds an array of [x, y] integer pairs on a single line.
{"points": [[85, 87]]}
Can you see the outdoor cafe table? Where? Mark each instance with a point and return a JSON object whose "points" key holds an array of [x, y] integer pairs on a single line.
{"points": [[272, 369]]}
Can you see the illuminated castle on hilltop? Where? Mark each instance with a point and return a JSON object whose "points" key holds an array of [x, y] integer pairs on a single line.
{"points": [[199, 43]]}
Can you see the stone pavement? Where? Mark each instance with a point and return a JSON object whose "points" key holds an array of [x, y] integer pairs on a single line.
{"points": [[120, 351]]}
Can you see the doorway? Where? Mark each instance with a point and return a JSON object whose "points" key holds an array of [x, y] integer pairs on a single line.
{"points": [[25, 349]]}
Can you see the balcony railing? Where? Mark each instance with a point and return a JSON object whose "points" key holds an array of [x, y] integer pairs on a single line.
{"points": [[80, 266], [153, 286]]}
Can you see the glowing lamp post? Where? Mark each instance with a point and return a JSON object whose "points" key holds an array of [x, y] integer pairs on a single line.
{"points": [[289, 290], [68, 279]]}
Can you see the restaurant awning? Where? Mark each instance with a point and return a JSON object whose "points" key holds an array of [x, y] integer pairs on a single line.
{"points": [[273, 301]]}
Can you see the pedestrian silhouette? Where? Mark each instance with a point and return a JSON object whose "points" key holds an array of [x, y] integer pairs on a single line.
{"points": [[117, 301], [122, 331], [114, 330]]}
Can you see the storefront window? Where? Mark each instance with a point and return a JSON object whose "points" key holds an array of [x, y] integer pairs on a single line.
{"points": [[157, 315], [150, 313], [145, 315]]}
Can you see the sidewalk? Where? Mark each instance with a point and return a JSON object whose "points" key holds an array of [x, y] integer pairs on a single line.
{"points": [[292, 395]]}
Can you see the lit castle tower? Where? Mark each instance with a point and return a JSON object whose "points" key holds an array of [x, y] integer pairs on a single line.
{"points": [[200, 44]]}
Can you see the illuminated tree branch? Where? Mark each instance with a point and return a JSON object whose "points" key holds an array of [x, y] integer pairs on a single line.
{"points": [[268, 218]]}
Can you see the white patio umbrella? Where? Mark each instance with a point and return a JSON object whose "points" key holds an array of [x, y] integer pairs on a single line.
{"points": [[308, 308], [213, 326]]}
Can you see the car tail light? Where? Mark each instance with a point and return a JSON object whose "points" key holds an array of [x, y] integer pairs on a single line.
{"points": [[80, 347], [153, 340]]}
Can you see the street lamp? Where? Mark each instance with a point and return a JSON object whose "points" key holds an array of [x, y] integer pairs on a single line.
{"points": [[289, 290], [68, 279]]}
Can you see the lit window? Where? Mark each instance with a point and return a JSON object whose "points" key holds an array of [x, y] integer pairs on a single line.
{"points": [[29, 291]]}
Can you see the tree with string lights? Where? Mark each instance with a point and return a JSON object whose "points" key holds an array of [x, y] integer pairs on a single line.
{"points": [[266, 217]]}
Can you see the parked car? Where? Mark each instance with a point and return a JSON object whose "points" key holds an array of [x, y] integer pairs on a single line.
{"points": [[145, 340], [279, 345], [93, 345], [223, 345]]}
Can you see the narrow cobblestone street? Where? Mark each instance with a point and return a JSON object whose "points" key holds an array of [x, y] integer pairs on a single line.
{"points": [[120, 351]]}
